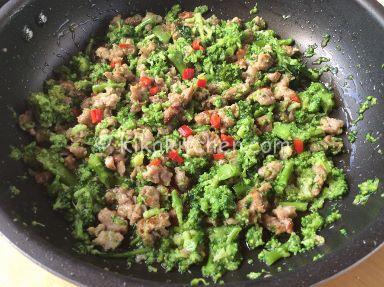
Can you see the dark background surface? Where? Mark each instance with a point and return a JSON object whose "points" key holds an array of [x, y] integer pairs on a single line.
{"points": [[354, 26]]}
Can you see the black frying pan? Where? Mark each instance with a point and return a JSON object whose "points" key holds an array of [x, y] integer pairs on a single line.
{"points": [[356, 26]]}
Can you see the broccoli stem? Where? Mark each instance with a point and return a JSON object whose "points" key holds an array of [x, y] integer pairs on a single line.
{"points": [[177, 205], [300, 206], [53, 165], [274, 255], [97, 165], [148, 21], [176, 58], [101, 87], [162, 34]]}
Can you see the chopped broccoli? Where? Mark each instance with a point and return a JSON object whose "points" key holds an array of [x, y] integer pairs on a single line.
{"points": [[366, 188]]}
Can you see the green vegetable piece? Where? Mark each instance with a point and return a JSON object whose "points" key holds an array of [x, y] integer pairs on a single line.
{"points": [[177, 205], [52, 163], [274, 255], [366, 188], [176, 58], [317, 98], [104, 175], [227, 171], [137, 159], [300, 206], [325, 40], [254, 237], [283, 177], [160, 32], [98, 88]]}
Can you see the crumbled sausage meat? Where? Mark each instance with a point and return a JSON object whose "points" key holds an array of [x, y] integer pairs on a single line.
{"points": [[153, 228], [270, 170], [158, 174], [331, 126]]}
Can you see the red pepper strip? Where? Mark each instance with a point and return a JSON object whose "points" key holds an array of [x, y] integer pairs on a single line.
{"points": [[155, 162], [295, 98], [96, 116], [174, 156], [230, 141], [215, 121], [298, 144], [125, 45], [185, 131], [188, 74], [153, 91], [218, 156], [196, 45], [145, 81], [201, 83]]}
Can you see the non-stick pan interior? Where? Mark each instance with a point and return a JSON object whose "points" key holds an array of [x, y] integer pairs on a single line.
{"points": [[356, 49]]}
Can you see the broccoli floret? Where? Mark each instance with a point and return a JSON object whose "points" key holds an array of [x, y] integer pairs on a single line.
{"points": [[194, 165], [310, 225], [162, 34], [332, 217], [98, 70], [317, 99], [152, 116], [83, 85], [254, 237], [53, 163], [81, 63], [58, 142], [218, 202], [172, 14], [224, 251], [51, 108], [119, 30]]}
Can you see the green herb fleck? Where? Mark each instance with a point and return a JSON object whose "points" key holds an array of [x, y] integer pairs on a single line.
{"points": [[352, 136], [321, 60], [36, 223], [310, 51], [254, 10], [254, 275], [367, 188], [369, 137], [325, 40], [343, 232], [14, 190], [332, 217], [317, 256], [368, 103], [199, 281]]}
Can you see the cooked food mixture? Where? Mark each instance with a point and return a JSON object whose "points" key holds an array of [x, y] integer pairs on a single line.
{"points": [[179, 138]]}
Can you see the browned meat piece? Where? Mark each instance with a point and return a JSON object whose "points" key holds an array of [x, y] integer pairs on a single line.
{"points": [[270, 170], [107, 100], [202, 144], [138, 97], [328, 143], [178, 102], [153, 228], [121, 74], [172, 112], [274, 77], [112, 221], [70, 162], [331, 126], [26, 121], [320, 177], [277, 226], [110, 163], [255, 201], [282, 221], [181, 179], [263, 96], [78, 151], [228, 115], [185, 15], [282, 90], [264, 123], [263, 63], [143, 138], [85, 117], [151, 196], [290, 50], [108, 240], [42, 177], [236, 92], [116, 162], [126, 203], [158, 174], [147, 49], [204, 118], [134, 20], [117, 52]]}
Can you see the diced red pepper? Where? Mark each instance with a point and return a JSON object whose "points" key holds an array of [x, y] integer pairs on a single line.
{"points": [[96, 115], [114, 63], [174, 156], [196, 45], [185, 131], [145, 81], [230, 141], [295, 98], [125, 45], [218, 156], [298, 144], [201, 83], [154, 90], [155, 162], [188, 73], [215, 121]]}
